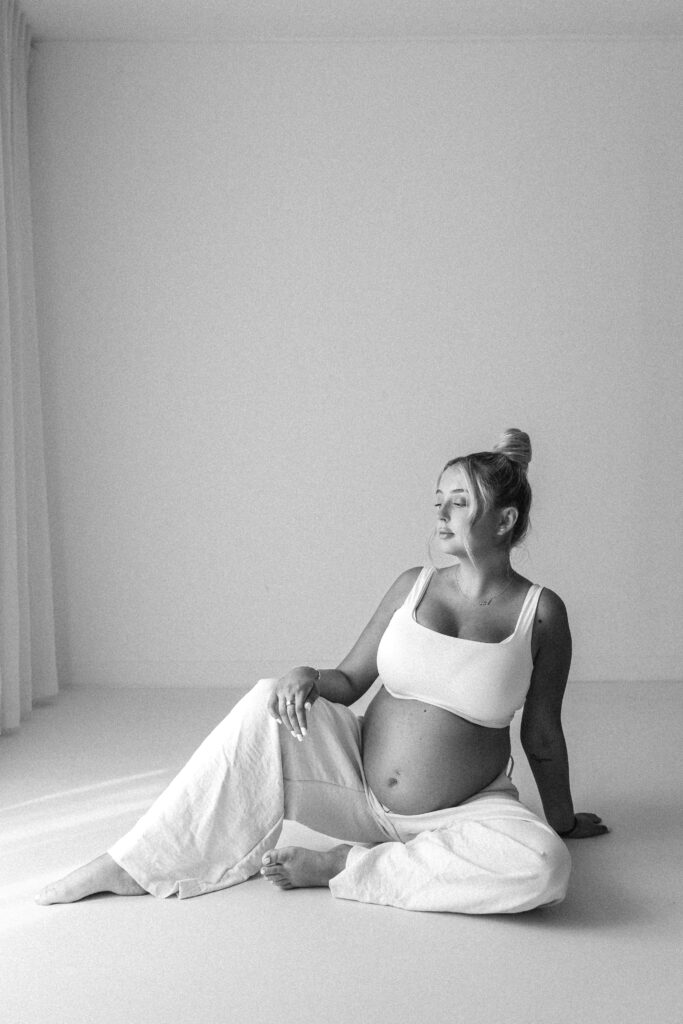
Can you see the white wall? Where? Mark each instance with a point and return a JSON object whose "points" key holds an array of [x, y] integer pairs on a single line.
{"points": [[281, 284]]}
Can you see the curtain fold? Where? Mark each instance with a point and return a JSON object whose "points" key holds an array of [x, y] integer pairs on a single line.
{"points": [[28, 669]]}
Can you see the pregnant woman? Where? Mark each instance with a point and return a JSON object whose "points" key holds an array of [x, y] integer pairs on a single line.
{"points": [[419, 790]]}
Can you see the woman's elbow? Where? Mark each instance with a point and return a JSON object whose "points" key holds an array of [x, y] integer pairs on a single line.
{"points": [[541, 744]]}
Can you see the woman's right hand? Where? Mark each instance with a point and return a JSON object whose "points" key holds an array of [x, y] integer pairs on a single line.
{"points": [[292, 697]]}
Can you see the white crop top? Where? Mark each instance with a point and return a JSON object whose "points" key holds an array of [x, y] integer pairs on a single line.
{"points": [[482, 682]]}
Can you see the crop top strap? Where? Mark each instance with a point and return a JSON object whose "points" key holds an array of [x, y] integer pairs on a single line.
{"points": [[418, 588], [528, 612]]}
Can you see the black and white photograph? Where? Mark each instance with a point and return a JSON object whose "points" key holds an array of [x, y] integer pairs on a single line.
{"points": [[341, 545]]}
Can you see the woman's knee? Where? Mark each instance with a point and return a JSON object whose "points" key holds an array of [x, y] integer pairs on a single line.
{"points": [[263, 688], [250, 711], [259, 694], [537, 860]]}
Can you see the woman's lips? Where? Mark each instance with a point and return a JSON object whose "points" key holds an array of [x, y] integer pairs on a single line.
{"points": [[444, 533]]}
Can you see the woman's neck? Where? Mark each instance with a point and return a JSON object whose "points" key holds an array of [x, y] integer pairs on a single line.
{"points": [[484, 580]]}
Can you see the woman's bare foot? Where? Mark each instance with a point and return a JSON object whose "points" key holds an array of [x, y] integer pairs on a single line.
{"points": [[294, 867], [101, 875]]}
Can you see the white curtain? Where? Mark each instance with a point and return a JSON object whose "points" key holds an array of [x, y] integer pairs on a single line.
{"points": [[27, 642]]}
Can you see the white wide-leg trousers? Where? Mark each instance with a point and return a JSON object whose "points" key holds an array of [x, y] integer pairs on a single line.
{"points": [[211, 826]]}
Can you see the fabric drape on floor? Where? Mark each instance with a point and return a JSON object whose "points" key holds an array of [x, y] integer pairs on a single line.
{"points": [[27, 642]]}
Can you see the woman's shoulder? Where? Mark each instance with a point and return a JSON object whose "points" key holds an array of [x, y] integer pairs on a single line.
{"points": [[551, 623], [399, 591], [409, 577], [404, 583], [550, 606]]}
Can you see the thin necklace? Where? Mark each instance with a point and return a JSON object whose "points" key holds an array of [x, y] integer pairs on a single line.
{"points": [[488, 600]]}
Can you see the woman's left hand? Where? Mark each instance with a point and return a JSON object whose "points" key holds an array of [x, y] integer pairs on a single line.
{"points": [[585, 826]]}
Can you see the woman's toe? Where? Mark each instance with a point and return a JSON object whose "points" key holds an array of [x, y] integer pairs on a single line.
{"points": [[282, 882]]}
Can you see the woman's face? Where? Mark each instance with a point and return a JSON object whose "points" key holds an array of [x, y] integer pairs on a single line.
{"points": [[453, 508]]}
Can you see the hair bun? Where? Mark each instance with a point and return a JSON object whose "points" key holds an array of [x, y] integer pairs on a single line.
{"points": [[515, 445]]}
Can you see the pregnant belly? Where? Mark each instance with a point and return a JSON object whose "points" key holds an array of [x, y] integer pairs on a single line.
{"points": [[420, 758]]}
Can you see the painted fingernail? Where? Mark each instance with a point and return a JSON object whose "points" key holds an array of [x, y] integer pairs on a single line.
{"points": [[300, 739], [279, 721], [308, 706], [304, 731]]}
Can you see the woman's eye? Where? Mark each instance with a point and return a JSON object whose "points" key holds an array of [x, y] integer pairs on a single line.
{"points": [[454, 504]]}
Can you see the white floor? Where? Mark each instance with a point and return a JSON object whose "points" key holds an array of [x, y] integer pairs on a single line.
{"points": [[84, 767]]}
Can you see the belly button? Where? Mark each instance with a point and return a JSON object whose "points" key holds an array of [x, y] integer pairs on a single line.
{"points": [[393, 782]]}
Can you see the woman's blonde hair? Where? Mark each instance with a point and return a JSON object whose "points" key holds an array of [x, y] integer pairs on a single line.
{"points": [[497, 479]]}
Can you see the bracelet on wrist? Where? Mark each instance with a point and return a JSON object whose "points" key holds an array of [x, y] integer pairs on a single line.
{"points": [[568, 831]]}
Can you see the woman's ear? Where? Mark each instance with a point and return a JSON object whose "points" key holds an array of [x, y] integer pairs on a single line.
{"points": [[507, 519]]}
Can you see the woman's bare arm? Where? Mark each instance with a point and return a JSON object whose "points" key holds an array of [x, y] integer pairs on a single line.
{"points": [[542, 736], [360, 665], [354, 675]]}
